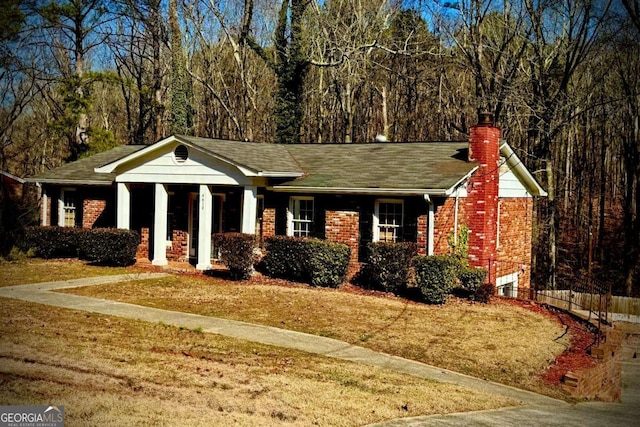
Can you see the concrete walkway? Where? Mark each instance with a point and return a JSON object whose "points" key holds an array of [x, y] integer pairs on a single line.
{"points": [[536, 411]]}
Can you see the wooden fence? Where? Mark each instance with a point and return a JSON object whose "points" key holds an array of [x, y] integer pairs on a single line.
{"points": [[588, 301]]}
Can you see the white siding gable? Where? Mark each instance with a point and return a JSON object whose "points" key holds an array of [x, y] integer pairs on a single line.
{"points": [[199, 168], [510, 185]]}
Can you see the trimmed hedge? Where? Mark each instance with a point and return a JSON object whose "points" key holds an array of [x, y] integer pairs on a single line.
{"points": [[108, 246], [237, 253], [329, 262], [52, 242], [308, 260], [436, 276], [472, 278], [388, 265]]}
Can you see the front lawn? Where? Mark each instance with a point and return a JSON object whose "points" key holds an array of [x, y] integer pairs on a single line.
{"points": [[499, 341], [42, 270]]}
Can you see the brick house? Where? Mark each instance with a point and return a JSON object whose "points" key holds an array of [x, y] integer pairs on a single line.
{"points": [[180, 190]]}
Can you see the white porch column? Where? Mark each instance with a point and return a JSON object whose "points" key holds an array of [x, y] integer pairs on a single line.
{"points": [[249, 209], [204, 228], [160, 225], [44, 221], [123, 205]]}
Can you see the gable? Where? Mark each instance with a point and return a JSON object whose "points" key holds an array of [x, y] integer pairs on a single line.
{"points": [[162, 165], [516, 176], [509, 184]]}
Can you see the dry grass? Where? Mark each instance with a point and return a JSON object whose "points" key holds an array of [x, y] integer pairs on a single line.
{"points": [[41, 270], [498, 341], [112, 371]]}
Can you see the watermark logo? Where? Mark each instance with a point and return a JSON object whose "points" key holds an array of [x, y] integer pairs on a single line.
{"points": [[31, 416]]}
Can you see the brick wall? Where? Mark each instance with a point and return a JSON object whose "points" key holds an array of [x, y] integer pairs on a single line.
{"points": [[444, 224], [179, 246], [268, 222], [604, 380], [343, 227], [143, 247], [514, 239], [423, 230], [91, 211]]}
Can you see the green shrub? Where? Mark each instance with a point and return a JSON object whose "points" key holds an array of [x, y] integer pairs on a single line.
{"points": [[286, 258], [472, 278], [388, 265], [307, 260], [17, 254], [109, 246], [329, 262], [237, 253], [436, 276], [52, 242], [484, 292]]}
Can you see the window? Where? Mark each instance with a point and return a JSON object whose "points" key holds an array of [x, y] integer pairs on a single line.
{"points": [[508, 285], [300, 222], [387, 220], [67, 212]]}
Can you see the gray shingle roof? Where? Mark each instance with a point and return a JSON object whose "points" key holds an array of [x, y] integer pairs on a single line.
{"points": [[422, 167], [81, 172], [402, 166], [259, 157]]}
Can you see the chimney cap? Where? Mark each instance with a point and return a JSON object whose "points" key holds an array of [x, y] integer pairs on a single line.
{"points": [[485, 118]]}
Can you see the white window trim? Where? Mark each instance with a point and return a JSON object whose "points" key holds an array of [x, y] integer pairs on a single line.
{"points": [[61, 215], [290, 212], [376, 216]]}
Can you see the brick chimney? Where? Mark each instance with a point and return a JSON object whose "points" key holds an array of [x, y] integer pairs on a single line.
{"points": [[482, 195]]}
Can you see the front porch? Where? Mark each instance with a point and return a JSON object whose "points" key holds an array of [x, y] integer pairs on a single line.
{"points": [[183, 219]]}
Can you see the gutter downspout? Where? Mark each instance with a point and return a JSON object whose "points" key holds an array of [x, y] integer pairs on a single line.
{"points": [[430, 224], [455, 220]]}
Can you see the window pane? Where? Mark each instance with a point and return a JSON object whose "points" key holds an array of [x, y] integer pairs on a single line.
{"points": [[302, 217], [69, 210], [389, 221]]}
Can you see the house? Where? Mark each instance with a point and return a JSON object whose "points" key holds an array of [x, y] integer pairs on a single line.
{"points": [[180, 190]]}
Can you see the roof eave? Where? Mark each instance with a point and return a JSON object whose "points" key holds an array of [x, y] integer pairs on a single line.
{"points": [[112, 166], [274, 174], [68, 181], [13, 177], [360, 191], [461, 181]]}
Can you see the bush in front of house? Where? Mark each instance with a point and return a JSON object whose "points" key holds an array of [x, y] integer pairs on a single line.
{"points": [[436, 276], [287, 258], [388, 265], [329, 262], [52, 241], [484, 293], [108, 246], [314, 261], [471, 279], [237, 251]]}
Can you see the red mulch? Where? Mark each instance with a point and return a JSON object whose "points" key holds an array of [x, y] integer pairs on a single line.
{"points": [[582, 338]]}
